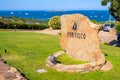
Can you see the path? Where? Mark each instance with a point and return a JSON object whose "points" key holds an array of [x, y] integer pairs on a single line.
{"points": [[107, 36], [48, 31]]}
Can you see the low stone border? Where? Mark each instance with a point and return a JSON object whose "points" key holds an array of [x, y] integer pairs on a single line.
{"points": [[92, 66]]}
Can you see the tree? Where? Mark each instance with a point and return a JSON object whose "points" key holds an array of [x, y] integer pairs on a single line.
{"points": [[114, 8], [55, 22], [118, 27]]}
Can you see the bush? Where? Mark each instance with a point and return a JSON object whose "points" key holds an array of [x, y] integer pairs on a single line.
{"points": [[1, 24], [22, 26], [118, 27], [37, 26], [106, 43], [54, 22], [96, 22], [19, 23]]}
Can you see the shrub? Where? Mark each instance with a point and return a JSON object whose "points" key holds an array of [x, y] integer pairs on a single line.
{"points": [[1, 24], [106, 43], [18, 23], [118, 27], [96, 22], [22, 26], [43, 26], [54, 22], [37, 26]]}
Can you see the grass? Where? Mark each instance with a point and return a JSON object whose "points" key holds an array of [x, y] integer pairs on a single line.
{"points": [[29, 51], [65, 59]]}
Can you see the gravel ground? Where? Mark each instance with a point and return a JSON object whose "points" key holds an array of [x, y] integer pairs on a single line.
{"points": [[107, 36]]}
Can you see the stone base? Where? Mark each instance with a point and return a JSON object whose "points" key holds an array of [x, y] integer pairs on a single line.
{"points": [[92, 66]]}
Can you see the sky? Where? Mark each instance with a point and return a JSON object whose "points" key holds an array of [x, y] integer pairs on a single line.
{"points": [[52, 5]]}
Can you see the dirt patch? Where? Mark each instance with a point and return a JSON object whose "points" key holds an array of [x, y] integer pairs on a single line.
{"points": [[48, 31], [107, 36]]}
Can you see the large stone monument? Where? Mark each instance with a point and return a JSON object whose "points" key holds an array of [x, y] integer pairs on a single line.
{"points": [[79, 39]]}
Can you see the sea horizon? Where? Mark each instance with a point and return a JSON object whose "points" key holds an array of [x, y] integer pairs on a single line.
{"points": [[60, 10], [98, 15]]}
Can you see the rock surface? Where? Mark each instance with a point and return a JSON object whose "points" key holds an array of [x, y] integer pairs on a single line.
{"points": [[9, 73], [79, 38]]}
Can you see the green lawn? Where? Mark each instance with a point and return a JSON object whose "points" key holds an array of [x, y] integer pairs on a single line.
{"points": [[28, 52], [67, 60]]}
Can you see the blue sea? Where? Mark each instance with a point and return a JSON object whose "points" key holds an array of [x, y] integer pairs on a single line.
{"points": [[98, 15]]}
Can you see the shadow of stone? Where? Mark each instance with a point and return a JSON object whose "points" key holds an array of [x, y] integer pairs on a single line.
{"points": [[114, 43], [106, 54], [58, 62], [24, 75]]}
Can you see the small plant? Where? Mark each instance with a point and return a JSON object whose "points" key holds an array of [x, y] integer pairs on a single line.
{"points": [[96, 22], [106, 43], [54, 22], [59, 33]]}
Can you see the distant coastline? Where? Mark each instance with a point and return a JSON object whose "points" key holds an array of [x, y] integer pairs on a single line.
{"points": [[98, 15]]}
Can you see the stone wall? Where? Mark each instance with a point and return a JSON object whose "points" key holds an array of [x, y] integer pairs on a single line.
{"points": [[92, 66]]}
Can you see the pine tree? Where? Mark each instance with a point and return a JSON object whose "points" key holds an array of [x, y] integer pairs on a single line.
{"points": [[114, 8]]}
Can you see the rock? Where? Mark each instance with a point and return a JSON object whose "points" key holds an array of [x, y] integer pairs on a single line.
{"points": [[113, 31], [106, 67], [53, 59], [114, 43], [41, 71], [79, 38], [9, 73]]}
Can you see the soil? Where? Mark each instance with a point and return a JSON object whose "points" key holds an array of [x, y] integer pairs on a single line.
{"points": [[107, 37], [49, 31]]}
